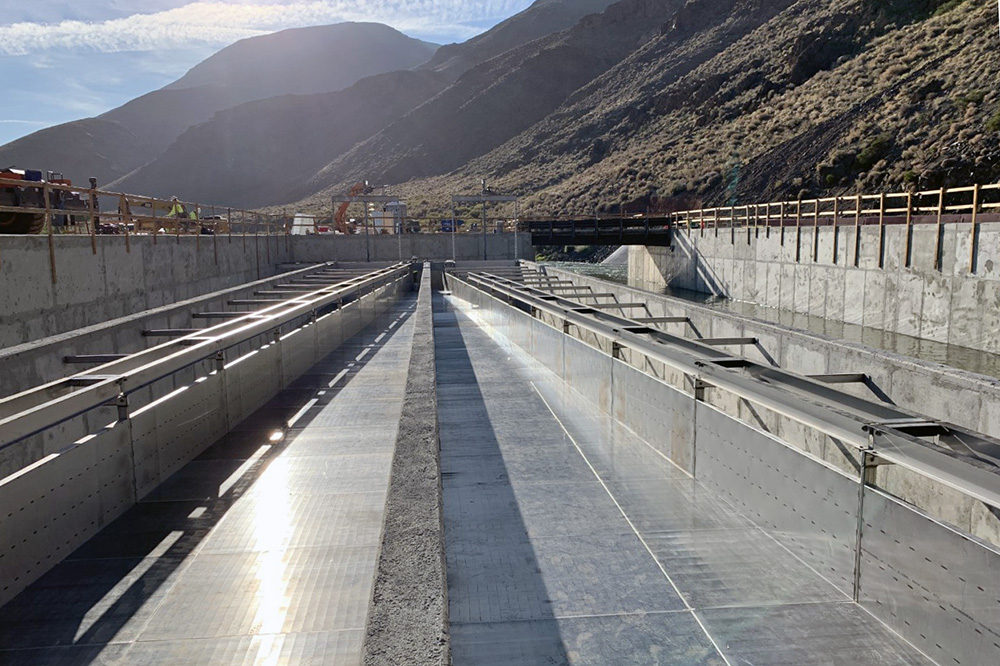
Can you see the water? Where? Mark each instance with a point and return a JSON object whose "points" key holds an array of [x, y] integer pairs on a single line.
{"points": [[962, 358], [617, 274]]}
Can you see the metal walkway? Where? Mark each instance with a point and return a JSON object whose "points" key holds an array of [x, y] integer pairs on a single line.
{"points": [[569, 540], [260, 551]]}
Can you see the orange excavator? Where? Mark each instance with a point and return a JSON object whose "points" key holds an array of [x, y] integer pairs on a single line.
{"points": [[340, 219]]}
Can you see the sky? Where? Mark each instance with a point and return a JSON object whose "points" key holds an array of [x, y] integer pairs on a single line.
{"points": [[62, 60]]}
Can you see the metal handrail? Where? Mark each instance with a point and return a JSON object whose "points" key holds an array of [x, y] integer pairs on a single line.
{"points": [[877, 436], [33, 411]]}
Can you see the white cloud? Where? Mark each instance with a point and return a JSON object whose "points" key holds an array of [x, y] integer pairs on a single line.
{"points": [[221, 23]]}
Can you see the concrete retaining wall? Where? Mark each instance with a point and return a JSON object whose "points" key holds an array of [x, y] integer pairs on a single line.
{"points": [[948, 394], [124, 278], [53, 505], [952, 305], [922, 589], [116, 282], [425, 247], [35, 363]]}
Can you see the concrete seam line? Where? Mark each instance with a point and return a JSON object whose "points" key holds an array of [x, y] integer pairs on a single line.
{"points": [[408, 612]]}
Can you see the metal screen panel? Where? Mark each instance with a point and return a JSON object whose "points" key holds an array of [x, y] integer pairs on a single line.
{"points": [[809, 507], [172, 432], [547, 346], [299, 352], [939, 588], [54, 506], [658, 413], [252, 381], [589, 372]]}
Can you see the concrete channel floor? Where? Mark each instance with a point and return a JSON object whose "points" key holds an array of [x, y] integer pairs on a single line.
{"points": [[571, 541], [256, 552]]}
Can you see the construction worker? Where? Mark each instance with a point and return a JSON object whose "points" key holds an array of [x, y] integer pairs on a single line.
{"points": [[176, 209]]}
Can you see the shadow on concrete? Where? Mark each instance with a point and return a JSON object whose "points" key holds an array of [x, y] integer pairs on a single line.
{"points": [[104, 593], [498, 602]]}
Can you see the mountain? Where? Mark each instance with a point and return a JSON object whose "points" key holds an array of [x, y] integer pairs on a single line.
{"points": [[305, 60], [750, 100], [498, 99], [542, 18], [295, 137], [260, 153]]}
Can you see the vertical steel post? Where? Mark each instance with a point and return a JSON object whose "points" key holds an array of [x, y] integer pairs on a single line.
{"points": [[938, 245], [781, 214], [798, 231], [974, 240], [866, 478], [816, 204], [908, 245], [836, 214], [48, 223], [857, 230], [91, 215], [881, 230]]}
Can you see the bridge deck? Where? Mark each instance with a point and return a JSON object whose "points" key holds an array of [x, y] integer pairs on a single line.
{"points": [[570, 540], [256, 552]]}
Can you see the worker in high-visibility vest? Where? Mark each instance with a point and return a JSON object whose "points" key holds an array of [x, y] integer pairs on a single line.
{"points": [[176, 209]]}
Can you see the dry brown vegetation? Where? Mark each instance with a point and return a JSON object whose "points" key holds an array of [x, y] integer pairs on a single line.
{"points": [[746, 101]]}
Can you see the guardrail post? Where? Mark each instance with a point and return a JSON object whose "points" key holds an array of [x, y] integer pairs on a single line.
{"points": [[857, 230], [781, 214], [123, 205], [48, 223], [798, 231], [974, 240], [939, 243], [91, 199], [881, 230], [816, 205], [836, 214], [908, 247]]}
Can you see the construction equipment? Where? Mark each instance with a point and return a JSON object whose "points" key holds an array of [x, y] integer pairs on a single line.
{"points": [[31, 197], [340, 219]]}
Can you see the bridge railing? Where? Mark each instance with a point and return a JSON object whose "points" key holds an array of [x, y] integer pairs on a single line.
{"points": [[973, 205]]}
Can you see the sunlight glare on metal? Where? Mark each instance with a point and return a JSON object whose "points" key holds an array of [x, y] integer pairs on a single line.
{"points": [[272, 531], [231, 480]]}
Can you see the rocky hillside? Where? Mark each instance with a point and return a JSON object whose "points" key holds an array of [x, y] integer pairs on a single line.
{"points": [[593, 105], [308, 60], [744, 100], [261, 153]]}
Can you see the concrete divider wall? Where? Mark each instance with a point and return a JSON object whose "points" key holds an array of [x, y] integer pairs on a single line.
{"points": [[41, 361], [915, 571], [55, 504], [953, 305], [91, 289], [948, 394]]}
